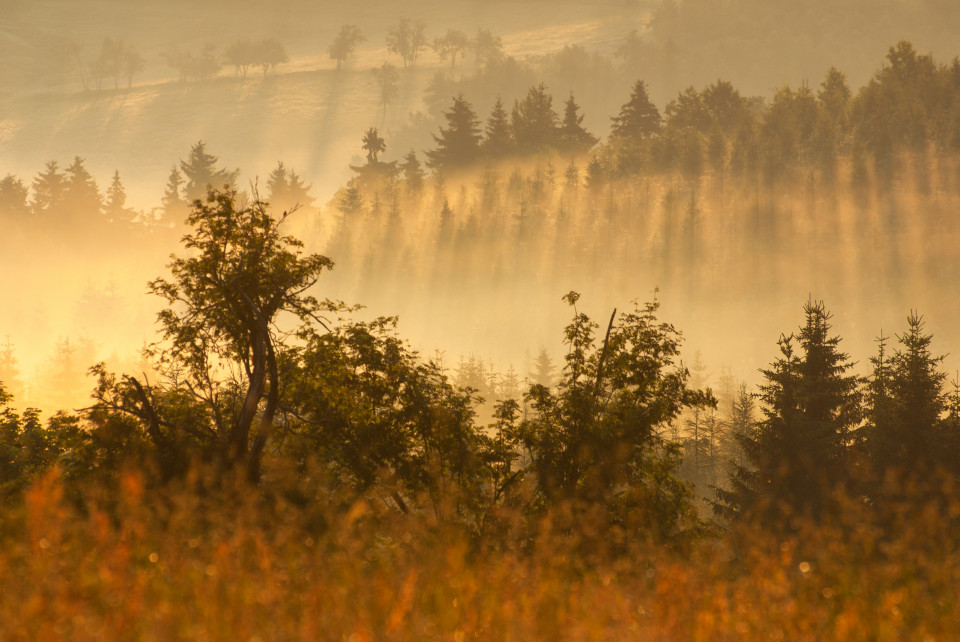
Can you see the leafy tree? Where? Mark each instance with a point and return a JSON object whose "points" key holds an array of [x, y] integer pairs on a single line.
{"points": [[192, 66], [453, 43], [222, 344], [487, 48], [458, 145], [534, 122], [201, 173], [595, 440], [407, 39], [798, 454], [13, 197], [572, 137], [498, 137], [131, 64], [268, 53], [241, 54], [345, 43], [388, 82]]}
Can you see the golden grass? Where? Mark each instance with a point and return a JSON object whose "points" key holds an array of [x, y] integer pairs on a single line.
{"points": [[162, 565]]}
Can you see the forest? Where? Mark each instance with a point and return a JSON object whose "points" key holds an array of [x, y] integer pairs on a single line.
{"points": [[279, 462]]}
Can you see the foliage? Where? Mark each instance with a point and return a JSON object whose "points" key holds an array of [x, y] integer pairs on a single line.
{"points": [[345, 43]]}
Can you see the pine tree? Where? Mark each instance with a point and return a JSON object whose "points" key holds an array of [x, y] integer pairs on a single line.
{"points": [[13, 197], [498, 140], [534, 122], [413, 174], [573, 138], [81, 196], [174, 207], [638, 120], [458, 145], [797, 455], [115, 207], [49, 191], [201, 172]]}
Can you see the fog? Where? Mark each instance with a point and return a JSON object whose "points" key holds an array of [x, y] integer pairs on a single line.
{"points": [[732, 262]]}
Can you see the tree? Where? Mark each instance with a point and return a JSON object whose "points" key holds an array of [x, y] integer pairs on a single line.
{"points": [[487, 48], [241, 54], [572, 137], [81, 196], [345, 43], [224, 307], [200, 170], [638, 120], [13, 197], [595, 439], [798, 454], [498, 137], [268, 53], [373, 144], [191, 66], [131, 64], [458, 145], [49, 191], [413, 174], [115, 208], [407, 39], [388, 81], [453, 43], [533, 121], [905, 405], [173, 205]]}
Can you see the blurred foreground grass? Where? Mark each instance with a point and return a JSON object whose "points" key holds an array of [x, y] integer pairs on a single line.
{"points": [[136, 563]]}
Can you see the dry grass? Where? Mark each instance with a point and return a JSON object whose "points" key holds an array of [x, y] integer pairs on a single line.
{"points": [[145, 564]]}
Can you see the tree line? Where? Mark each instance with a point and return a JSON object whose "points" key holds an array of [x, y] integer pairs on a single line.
{"points": [[254, 372], [910, 105]]}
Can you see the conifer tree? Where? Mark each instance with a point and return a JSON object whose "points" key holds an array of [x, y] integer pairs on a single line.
{"points": [[49, 190], [458, 145], [534, 122], [498, 139], [81, 196], [201, 172], [413, 174], [174, 207], [115, 206], [797, 455], [13, 197], [638, 120], [573, 138]]}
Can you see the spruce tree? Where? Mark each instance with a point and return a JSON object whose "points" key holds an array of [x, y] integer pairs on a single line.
{"points": [[458, 146], [81, 196], [49, 190], [639, 118], [115, 206], [412, 172], [201, 172], [498, 140], [174, 207], [797, 456], [13, 197], [534, 122], [573, 138]]}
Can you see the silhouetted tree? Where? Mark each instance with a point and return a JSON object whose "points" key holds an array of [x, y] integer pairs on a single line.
{"points": [[572, 137], [81, 196], [174, 207], [487, 48], [268, 53], [388, 82], [345, 43], [407, 39], [13, 197], [450, 45], [498, 139], [49, 190], [201, 173], [413, 174], [458, 145], [798, 453], [241, 54], [638, 119], [115, 207], [534, 122]]}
